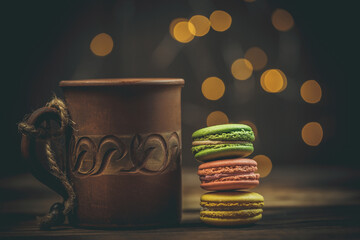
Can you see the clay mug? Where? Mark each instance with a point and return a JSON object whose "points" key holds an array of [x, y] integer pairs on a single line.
{"points": [[123, 153]]}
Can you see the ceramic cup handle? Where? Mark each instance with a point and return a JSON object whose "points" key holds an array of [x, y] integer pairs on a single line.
{"points": [[33, 149]]}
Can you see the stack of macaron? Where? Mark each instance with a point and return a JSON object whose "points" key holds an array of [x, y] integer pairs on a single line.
{"points": [[225, 171]]}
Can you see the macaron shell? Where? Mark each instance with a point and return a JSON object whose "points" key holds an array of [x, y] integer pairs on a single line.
{"points": [[231, 197], [224, 152], [229, 185], [228, 163], [247, 213], [230, 221], [222, 128]]}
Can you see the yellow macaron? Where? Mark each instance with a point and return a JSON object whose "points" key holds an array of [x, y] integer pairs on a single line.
{"points": [[231, 208]]}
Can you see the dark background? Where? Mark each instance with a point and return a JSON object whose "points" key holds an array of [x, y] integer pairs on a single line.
{"points": [[44, 42]]}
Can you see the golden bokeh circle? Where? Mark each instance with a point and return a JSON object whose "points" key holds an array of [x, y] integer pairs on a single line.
{"points": [[273, 81], [182, 31], [102, 44], [173, 23], [264, 165], [252, 125], [220, 20], [213, 88], [257, 57], [312, 133], [216, 118], [282, 20], [241, 69], [201, 25], [310, 91]]}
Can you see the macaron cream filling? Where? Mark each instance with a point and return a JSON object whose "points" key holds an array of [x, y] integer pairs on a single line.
{"points": [[198, 148], [211, 142]]}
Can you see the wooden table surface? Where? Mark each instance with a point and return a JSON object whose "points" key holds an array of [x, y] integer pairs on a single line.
{"points": [[300, 203]]}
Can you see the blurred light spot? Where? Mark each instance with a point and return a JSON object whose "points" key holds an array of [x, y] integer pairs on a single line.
{"points": [[257, 57], [201, 25], [182, 31], [273, 81], [252, 125], [282, 20], [241, 69], [213, 88], [312, 133], [173, 23], [220, 20], [311, 91], [264, 165], [216, 118], [102, 44]]}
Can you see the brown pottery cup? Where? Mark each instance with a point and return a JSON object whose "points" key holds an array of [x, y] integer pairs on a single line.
{"points": [[123, 153]]}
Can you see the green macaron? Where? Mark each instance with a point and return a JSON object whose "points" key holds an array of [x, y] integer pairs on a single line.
{"points": [[219, 141]]}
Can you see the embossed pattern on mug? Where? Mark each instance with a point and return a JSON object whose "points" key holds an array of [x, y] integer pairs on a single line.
{"points": [[96, 155]]}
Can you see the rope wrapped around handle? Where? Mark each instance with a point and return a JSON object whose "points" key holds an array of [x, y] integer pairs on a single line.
{"points": [[58, 211]]}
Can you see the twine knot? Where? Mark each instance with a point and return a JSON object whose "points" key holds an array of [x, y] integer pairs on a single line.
{"points": [[58, 211]]}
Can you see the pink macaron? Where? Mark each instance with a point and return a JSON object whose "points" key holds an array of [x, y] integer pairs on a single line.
{"points": [[228, 174]]}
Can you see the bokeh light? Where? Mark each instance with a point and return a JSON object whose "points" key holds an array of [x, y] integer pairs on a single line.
{"points": [[282, 20], [182, 31], [201, 25], [310, 91], [173, 23], [273, 81], [257, 57], [213, 88], [312, 133], [264, 165], [216, 118], [220, 20], [252, 125], [102, 44], [241, 69]]}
